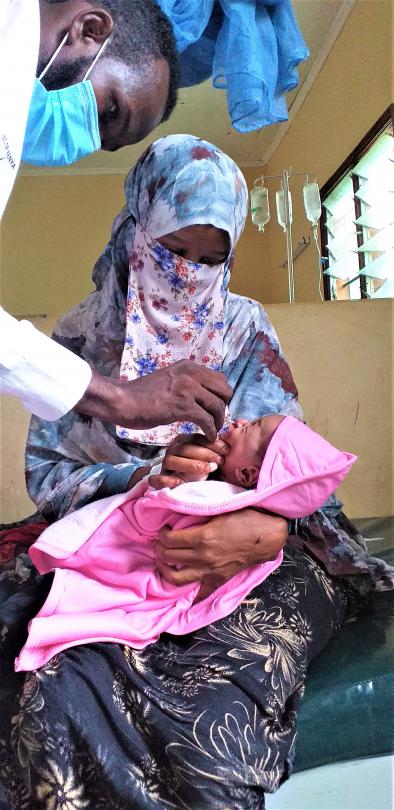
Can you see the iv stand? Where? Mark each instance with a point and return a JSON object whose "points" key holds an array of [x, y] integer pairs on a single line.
{"points": [[289, 243], [285, 176]]}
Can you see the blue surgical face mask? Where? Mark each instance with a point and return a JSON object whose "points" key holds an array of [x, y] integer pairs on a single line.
{"points": [[62, 126]]}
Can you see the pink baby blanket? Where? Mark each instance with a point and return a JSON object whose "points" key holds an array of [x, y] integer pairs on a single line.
{"points": [[106, 586]]}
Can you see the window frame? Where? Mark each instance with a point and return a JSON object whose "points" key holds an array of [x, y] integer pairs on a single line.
{"points": [[348, 164]]}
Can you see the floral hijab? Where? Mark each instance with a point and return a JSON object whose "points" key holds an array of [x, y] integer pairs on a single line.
{"points": [[174, 306], [182, 180]]}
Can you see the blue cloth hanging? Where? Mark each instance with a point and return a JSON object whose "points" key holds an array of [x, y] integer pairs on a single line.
{"points": [[251, 48]]}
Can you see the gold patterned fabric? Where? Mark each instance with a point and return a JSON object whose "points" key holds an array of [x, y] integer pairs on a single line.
{"points": [[206, 720]]}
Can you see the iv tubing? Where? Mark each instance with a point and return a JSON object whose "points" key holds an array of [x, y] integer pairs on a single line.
{"points": [[314, 230], [290, 267]]}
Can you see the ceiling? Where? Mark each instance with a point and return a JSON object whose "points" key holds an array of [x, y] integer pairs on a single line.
{"points": [[202, 110]]}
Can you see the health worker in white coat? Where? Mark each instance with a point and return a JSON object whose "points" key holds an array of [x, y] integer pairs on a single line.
{"points": [[102, 85]]}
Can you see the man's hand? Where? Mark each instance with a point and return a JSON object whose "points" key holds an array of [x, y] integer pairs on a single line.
{"points": [[189, 458], [181, 391], [217, 550]]}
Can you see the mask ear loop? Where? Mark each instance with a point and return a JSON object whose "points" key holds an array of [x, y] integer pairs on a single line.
{"points": [[53, 57], [99, 53], [58, 49]]}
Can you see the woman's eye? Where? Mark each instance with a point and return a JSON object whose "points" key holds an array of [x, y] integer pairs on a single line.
{"points": [[210, 261], [177, 251]]}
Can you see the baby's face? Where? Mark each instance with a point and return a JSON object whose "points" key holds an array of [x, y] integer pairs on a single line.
{"points": [[247, 442], [244, 439]]}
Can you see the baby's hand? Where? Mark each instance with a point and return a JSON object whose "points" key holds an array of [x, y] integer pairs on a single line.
{"points": [[189, 458]]}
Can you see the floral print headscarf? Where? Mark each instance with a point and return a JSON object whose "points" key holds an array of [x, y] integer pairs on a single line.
{"points": [[174, 306]]}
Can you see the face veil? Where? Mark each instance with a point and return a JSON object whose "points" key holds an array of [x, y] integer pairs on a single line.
{"points": [[174, 306]]}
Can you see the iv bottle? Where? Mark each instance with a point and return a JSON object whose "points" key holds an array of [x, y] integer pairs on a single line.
{"points": [[259, 205], [312, 202], [280, 209]]}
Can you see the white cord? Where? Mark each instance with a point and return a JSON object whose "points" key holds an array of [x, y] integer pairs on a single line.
{"points": [[99, 53], [58, 49], [53, 57], [319, 273]]}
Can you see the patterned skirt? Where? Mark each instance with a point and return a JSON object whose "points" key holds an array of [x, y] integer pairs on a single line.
{"points": [[205, 721]]}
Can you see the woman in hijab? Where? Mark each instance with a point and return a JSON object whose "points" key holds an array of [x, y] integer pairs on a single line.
{"points": [[158, 299], [208, 719]]}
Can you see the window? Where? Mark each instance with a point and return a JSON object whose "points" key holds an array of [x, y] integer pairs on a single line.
{"points": [[357, 225]]}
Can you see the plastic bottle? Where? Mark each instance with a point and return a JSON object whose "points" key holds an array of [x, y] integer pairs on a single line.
{"points": [[280, 209], [312, 202], [259, 205]]}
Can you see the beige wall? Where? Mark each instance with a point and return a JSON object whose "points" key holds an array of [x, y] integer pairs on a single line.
{"points": [[53, 230], [341, 356]]}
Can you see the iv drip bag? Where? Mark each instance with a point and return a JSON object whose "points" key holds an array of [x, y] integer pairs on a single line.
{"points": [[259, 205], [312, 202], [281, 211]]}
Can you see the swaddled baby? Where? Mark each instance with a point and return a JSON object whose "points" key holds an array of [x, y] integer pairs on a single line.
{"points": [[106, 586]]}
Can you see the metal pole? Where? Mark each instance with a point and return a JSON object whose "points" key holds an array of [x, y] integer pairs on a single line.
{"points": [[290, 266]]}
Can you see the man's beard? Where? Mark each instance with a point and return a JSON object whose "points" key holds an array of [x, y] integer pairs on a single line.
{"points": [[62, 75]]}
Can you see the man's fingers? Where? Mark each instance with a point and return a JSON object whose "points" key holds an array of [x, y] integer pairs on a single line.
{"points": [[215, 382], [204, 420], [204, 393], [213, 405], [187, 390]]}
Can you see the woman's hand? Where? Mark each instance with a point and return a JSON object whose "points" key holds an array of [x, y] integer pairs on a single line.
{"points": [[189, 458], [217, 550]]}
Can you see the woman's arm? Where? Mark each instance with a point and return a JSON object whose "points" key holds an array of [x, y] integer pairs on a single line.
{"points": [[217, 550], [254, 364], [75, 460]]}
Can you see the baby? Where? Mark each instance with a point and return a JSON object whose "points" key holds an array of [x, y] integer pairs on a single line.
{"points": [[248, 443], [106, 586]]}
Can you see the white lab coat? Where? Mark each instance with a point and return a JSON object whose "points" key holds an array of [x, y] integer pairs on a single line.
{"points": [[47, 378]]}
